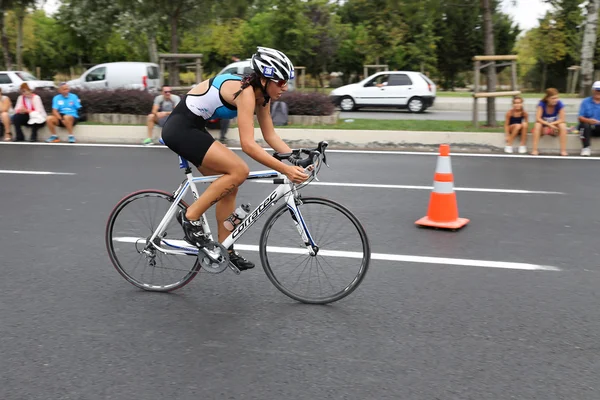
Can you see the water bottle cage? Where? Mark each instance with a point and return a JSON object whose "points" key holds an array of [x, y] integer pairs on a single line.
{"points": [[234, 220]]}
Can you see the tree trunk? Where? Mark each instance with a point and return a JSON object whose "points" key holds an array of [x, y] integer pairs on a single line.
{"points": [[489, 51], [4, 40], [20, 13], [588, 47], [174, 65], [544, 74], [152, 48]]}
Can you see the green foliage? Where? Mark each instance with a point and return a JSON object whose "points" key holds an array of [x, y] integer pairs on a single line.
{"points": [[549, 40], [438, 36]]}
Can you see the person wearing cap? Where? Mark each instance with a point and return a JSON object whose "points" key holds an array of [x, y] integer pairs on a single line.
{"points": [[65, 113], [589, 119]]}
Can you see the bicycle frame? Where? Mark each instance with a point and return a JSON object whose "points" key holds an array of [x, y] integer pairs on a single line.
{"points": [[285, 190]]}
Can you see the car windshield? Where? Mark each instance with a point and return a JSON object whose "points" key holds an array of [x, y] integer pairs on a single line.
{"points": [[26, 76]]}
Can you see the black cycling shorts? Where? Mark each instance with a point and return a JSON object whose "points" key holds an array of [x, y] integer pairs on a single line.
{"points": [[185, 133]]}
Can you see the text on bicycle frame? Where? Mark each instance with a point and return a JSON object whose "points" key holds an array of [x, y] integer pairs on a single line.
{"points": [[254, 216]]}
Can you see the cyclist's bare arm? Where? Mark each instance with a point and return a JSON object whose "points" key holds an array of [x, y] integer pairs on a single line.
{"points": [[245, 104]]}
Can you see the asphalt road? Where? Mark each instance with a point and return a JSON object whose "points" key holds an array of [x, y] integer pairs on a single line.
{"points": [[433, 328], [374, 113]]}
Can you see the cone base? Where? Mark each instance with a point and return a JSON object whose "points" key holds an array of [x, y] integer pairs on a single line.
{"points": [[457, 224]]}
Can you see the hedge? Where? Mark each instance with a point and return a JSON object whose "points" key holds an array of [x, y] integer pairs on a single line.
{"points": [[308, 103], [139, 102]]}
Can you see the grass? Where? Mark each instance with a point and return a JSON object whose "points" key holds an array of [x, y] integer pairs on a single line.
{"points": [[399, 125], [525, 95]]}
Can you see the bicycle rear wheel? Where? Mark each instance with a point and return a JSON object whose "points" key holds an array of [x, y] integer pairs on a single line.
{"points": [[129, 228], [340, 264]]}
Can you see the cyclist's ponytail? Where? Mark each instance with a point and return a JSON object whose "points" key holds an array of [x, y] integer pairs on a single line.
{"points": [[252, 80]]}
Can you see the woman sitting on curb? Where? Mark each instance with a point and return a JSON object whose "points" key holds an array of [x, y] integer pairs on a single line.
{"points": [[29, 110], [550, 120], [515, 122]]}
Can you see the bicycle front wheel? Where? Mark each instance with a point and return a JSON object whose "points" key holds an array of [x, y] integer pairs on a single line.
{"points": [[129, 228], [338, 267]]}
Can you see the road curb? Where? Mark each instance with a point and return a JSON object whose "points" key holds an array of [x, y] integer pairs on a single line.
{"points": [[342, 139]]}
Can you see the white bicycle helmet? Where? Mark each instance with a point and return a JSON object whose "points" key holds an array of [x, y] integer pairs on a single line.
{"points": [[272, 64]]}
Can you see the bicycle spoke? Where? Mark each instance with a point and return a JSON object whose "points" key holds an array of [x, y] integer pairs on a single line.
{"points": [[321, 278], [137, 217]]}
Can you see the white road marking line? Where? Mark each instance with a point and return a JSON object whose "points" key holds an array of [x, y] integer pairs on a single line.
{"points": [[413, 187], [435, 153], [24, 172], [385, 152], [378, 256], [411, 259]]}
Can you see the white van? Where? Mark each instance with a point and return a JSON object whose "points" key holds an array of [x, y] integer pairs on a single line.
{"points": [[119, 75]]}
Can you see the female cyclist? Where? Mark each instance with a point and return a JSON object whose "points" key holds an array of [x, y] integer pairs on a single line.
{"points": [[227, 96]]}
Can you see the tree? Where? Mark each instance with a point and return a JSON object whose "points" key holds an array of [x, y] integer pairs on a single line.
{"points": [[20, 8], [588, 47], [457, 29], [326, 37], [548, 41], [351, 53], [90, 24], [5, 5], [387, 30], [489, 50]]}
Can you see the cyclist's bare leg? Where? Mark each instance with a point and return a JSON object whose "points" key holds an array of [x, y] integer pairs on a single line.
{"points": [[224, 207], [220, 160]]}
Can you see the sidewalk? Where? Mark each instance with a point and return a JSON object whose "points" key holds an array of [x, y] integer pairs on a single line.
{"points": [[357, 139]]}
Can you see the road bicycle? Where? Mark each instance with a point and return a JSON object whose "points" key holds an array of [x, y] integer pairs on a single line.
{"points": [[312, 249]]}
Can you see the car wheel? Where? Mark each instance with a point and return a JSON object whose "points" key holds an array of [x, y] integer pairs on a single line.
{"points": [[347, 103], [416, 105]]}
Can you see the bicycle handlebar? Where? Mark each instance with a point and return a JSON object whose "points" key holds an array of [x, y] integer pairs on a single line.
{"points": [[295, 157]]}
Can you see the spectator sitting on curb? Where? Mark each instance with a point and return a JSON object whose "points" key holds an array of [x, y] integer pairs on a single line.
{"points": [[515, 122], [163, 105], [5, 111], [65, 113], [589, 119], [29, 110], [550, 120]]}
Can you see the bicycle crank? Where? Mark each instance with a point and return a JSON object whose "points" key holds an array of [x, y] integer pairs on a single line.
{"points": [[213, 258]]}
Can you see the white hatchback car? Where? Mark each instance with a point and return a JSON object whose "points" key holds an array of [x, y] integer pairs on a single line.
{"points": [[10, 81], [399, 89]]}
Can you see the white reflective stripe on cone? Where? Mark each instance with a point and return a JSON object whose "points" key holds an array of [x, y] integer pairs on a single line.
{"points": [[443, 187], [443, 165]]}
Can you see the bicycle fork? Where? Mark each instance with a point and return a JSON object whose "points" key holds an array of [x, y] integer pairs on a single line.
{"points": [[293, 202]]}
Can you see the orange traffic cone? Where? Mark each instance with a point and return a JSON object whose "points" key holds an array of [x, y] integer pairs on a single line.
{"points": [[443, 209]]}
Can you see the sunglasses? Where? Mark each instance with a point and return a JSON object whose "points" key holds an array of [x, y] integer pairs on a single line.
{"points": [[280, 83], [166, 91]]}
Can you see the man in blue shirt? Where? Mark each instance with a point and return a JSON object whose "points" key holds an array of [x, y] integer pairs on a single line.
{"points": [[589, 118], [65, 113]]}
